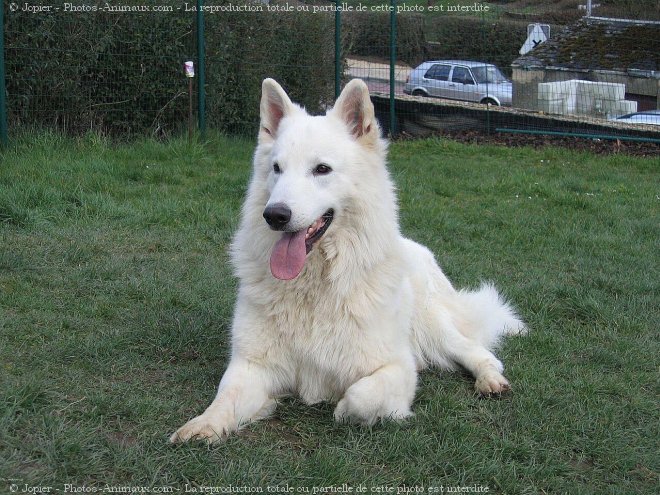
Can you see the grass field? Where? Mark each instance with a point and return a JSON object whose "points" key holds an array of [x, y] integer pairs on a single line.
{"points": [[116, 300]]}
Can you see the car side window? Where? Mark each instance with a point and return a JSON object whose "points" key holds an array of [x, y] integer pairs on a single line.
{"points": [[438, 72], [462, 75]]}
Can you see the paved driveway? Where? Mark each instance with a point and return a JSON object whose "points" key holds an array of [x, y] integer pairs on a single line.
{"points": [[377, 75]]}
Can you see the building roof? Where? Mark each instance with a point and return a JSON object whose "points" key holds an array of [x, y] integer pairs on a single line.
{"points": [[599, 44]]}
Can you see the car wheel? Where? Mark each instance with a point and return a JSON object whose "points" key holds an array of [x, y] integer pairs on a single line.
{"points": [[489, 101], [419, 92]]}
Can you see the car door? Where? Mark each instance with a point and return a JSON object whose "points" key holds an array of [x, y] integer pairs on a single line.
{"points": [[462, 85], [436, 80]]}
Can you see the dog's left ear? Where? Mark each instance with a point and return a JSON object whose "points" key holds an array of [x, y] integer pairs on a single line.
{"points": [[275, 105], [354, 107]]}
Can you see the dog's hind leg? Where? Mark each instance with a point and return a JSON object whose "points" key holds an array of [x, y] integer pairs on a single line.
{"points": [[243, 396], [440, 343], [452, 327], [484, 366]]}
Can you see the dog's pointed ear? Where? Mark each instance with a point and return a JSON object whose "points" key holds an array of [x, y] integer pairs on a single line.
{"points": [[354, 107], [275, 105]]}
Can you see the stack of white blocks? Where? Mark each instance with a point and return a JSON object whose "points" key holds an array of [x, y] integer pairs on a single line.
{"points": [[577, 97]]}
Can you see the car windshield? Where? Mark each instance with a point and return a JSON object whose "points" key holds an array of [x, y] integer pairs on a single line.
{"points": [[488, 74]]}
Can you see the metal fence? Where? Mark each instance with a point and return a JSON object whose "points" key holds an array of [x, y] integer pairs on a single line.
{"points": [[117, 68]]}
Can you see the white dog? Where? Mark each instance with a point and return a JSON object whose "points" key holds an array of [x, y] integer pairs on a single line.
{"points": [[334, 304]]}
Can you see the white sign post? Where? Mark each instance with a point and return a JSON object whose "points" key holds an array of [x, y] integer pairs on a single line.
{"points": [[536, 34]]}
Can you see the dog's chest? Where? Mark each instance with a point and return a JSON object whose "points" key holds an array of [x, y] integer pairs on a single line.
{"points": [[326, 362], [321, 341], [309, 335], [327, 347]]}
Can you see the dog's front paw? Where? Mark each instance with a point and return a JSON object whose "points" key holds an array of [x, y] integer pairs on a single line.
{"points": [[348, 412], [492, 383], [363, 404], [204, 427]]}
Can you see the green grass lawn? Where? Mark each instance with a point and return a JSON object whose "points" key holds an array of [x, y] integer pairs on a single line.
{"points": [[116, 300]]}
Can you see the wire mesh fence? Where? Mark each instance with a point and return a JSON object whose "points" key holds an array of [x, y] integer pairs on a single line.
{"points": [[121, 71], [431, 65], [78, 68]]}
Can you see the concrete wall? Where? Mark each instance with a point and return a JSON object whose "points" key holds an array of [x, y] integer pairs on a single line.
{"points": [[525, 87]]}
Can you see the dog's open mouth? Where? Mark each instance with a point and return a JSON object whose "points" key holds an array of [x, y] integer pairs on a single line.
{"points": [[317, 229], [290, 251]]}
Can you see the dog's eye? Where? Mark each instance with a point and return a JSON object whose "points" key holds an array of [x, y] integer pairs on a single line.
{"points": [[322, 169], [276, 168]]}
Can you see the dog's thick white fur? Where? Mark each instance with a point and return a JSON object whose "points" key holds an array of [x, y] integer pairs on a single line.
{"points": [[354, 319]]}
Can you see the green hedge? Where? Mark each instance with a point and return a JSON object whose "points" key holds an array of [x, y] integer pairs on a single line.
{"points": [[368, 34], [101, 72], [296, 49], [122, 74]]}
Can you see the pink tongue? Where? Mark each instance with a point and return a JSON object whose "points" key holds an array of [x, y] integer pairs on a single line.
{"points": [[288, 256]]}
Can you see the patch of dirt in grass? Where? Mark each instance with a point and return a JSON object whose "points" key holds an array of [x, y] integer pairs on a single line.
{"points": [[121, 438], [279, 429]]}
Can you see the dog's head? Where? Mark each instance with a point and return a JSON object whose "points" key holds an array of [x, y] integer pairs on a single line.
{"points": [[308, 164]]}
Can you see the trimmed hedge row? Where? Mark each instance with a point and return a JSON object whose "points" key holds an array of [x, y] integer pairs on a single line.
{"points": [[102, 72], [296, 49], [368, 34], [122, 74]]}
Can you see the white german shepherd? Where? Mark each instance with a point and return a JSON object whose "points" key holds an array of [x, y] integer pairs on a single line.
{"points": [[334, 304]]}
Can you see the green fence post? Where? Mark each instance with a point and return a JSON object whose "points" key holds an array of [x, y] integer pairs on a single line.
{"points": [[3, 92], [201, 74], [392, 64], [484, 38], [337, 49]]}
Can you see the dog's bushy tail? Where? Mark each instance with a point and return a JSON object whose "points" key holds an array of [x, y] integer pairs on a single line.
{"points": [[487, 316]]}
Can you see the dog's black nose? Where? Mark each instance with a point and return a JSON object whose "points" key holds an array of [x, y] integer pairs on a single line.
{"points": [[277, 216]]}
